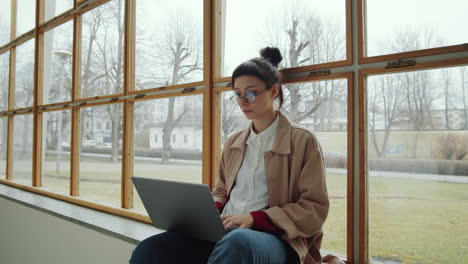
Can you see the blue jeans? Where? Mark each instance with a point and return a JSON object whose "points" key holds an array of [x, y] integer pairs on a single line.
{"points": [[237, 247]]}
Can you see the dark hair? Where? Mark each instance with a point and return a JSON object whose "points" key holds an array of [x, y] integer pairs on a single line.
{"points": [[265, 68]]}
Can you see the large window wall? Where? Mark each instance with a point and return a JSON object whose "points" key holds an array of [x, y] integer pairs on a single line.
{"points": [[94, 92]]}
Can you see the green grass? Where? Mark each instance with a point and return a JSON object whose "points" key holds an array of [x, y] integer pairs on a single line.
{"points": [[410, 220]]}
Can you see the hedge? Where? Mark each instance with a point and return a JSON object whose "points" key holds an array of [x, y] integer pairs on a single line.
{"points": [[424, 166]]}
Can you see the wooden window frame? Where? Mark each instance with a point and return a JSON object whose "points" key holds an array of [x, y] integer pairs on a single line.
{"points": [[363, 59], [362, 111]]}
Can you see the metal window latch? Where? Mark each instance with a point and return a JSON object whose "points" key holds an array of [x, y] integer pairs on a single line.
{"points": [[400, 64], [83, 104], [320, 73], [42, 108], [138, 96], [188, 90], [114, 99]]}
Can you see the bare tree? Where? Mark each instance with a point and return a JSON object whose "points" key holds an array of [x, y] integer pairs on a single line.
{"points": [[306, 39], [464, 89], [446, 83], [229, 120], [385, 102], [178, 54]]}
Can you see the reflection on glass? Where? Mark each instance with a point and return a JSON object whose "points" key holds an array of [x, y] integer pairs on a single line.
{"points": [[100, 155], [56, 157], [22, 149], [5, 20], [4, 79], [169, 42], [24, 77], [307, 32], [418, 166], [58, 45], [3, 146], [26, 16], [322, 108], [168, 140], [56, 7], [412, 29], [102, 50]]}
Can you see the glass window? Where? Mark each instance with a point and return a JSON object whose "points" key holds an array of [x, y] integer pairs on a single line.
{"points": [[56, 7], [26, 16], [322, 108], [102, 50], [165, 159], [5, 21], [307, 32], [100, 156], [418, 165], [58, 46], [400, 26], [24, 77], [4, 79], [56, 157], [173, 138], [3, 146], [169, 42], [22, 149]]}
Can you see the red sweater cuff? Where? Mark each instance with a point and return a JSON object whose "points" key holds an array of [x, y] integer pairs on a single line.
{"points": [[263, 223], [219, 206]]}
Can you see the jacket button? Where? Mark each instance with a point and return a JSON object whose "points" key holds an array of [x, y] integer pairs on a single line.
{"points": [[269, 154]]}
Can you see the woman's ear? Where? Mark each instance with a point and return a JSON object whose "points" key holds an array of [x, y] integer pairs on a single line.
{"points": [[275, 91]]}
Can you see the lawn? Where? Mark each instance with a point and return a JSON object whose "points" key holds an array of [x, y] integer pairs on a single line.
{"points": [[409, 220]]}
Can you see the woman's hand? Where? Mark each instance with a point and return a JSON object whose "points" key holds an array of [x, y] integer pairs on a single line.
{"points": [[243, 221]]}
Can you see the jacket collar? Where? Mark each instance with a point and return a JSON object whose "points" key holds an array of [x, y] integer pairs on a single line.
{"points": [[282, 144]]}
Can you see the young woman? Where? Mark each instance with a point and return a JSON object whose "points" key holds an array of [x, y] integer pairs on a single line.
{"points": [[270, 188]]}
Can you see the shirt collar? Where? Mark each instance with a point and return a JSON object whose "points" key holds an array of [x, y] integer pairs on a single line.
{"points": [[265, 134]]}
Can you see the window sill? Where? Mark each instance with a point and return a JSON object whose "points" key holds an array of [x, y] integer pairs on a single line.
{"points": [[119, 227]]}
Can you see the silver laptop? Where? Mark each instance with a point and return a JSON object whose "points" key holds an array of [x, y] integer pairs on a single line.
{"points": [[183, 207]]}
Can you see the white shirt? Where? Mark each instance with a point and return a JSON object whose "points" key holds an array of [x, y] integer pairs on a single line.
{"points": [[250, 189]]}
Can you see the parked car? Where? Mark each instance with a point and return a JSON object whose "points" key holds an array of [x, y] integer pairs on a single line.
{"points": [[89, 143]]}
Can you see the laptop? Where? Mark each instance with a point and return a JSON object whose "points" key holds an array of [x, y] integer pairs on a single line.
{"points": [[183, 207]]}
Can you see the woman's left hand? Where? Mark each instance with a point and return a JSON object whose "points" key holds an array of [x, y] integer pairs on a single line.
{"points": [[243, 221]]}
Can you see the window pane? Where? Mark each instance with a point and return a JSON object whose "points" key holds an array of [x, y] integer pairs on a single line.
{"points": [[100, 166], [169, 42], [307, 32], [399, 26], [418, 165], [24, 77], [167, 119], [102, 50], [3, 146], [56, 7], [26, 16], [22, 149], [322, 108], [58, 46], [5, 21], [56, 157], [4, 79]]}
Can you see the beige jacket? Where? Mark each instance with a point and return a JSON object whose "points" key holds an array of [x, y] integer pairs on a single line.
{"points": [[295, 174]]}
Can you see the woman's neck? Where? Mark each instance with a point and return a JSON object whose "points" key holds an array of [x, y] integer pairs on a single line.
{"points": [[259, 125]]}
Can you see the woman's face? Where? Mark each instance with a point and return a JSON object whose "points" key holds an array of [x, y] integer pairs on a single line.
{"points": [[263, 104]]}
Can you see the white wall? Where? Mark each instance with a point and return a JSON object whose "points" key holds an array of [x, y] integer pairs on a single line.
{"points": [[31, 236]]}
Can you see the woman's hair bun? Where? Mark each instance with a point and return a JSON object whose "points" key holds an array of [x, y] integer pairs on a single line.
{"points": [[271, 54]]}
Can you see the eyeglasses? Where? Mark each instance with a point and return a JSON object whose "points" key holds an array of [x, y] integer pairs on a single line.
{"points": [[249, 97]]}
